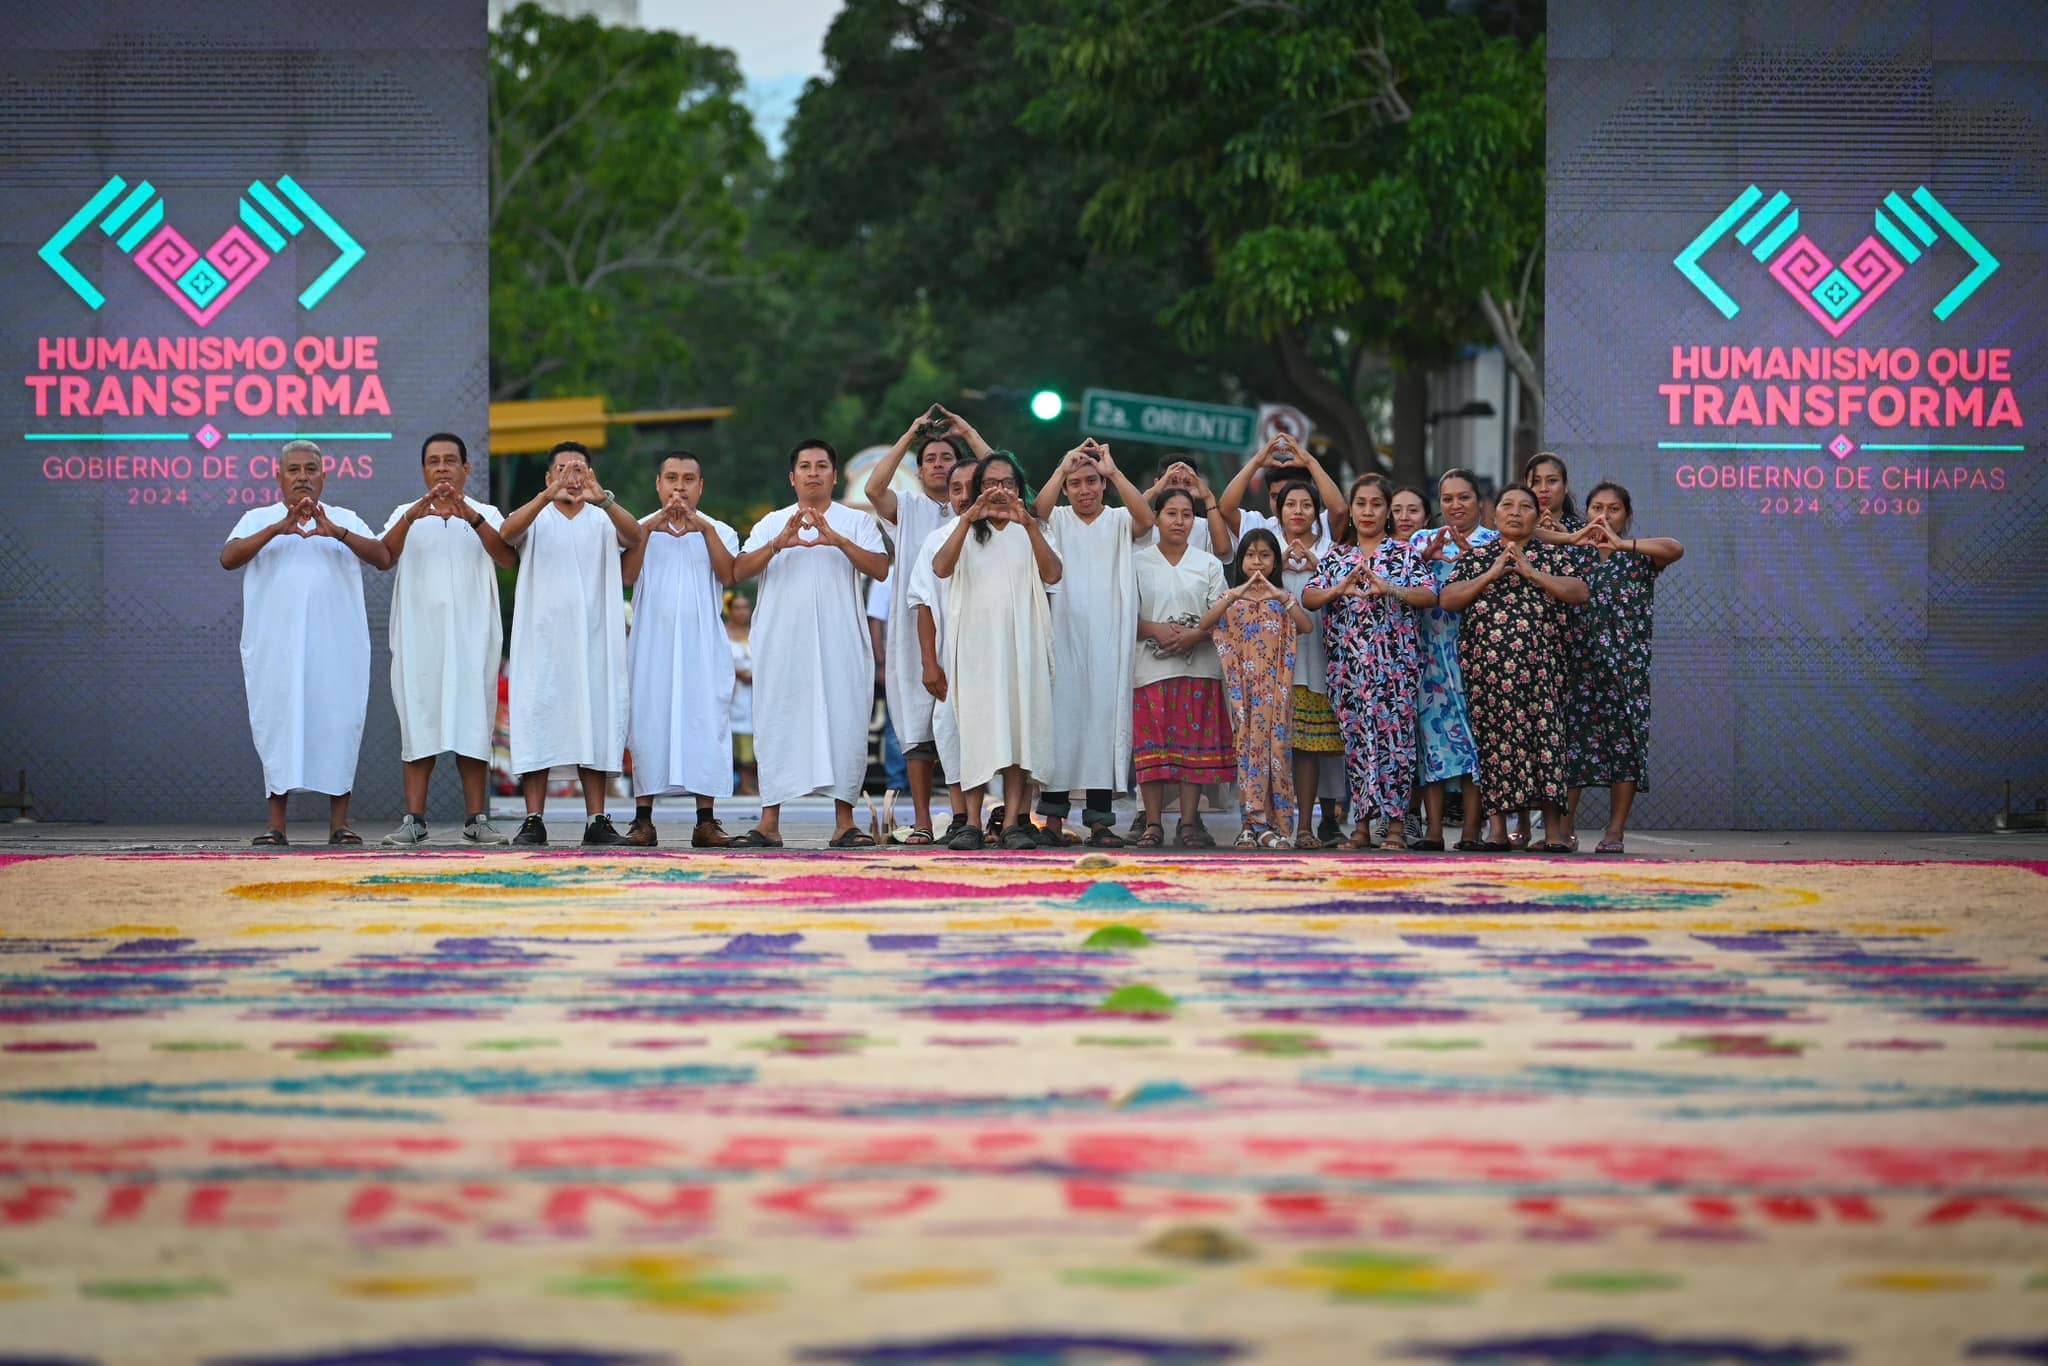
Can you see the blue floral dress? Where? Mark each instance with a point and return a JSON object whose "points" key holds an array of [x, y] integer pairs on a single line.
{"points": [[1446, 743], [1375, 673]]}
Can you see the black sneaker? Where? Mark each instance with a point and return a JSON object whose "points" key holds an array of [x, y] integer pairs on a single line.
{"points": [[600, 831], [532, 830]]}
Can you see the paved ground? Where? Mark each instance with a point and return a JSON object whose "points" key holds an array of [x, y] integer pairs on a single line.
{"points": [[807, 826]]}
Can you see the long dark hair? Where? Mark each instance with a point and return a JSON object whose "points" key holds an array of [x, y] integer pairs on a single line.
{"points": [[982, 530], [1552, 458], [1234, 573], [1277, 492], [1165, 496], [1347, 534], [1628, 504]]}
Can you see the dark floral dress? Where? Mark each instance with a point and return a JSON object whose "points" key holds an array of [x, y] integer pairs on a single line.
{"points": [[1607, 714], [1512, 650], [1375, 676]]}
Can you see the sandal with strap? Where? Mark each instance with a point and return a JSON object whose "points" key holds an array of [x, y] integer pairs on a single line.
{"points": [[1195, 836], [1273, 839], [271, 839], [1247, 838], [853, 837], [1102, 837], [1152, 838], [1609, 847], [1305, 838], [343, 835], [1427, 846], [918, 835], [754, 839], [1360, 840]]}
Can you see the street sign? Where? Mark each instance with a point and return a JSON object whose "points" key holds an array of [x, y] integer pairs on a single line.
{"points": [[1275, 418], [1167, 421]]}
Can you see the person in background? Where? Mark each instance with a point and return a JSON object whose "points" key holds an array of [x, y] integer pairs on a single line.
{"points": [[941, 440], [1180, 726], [1607, 716], [569, 670], [682, 666], [1209, 531], [895, 768], [928, 599], [1256, 625], [1410, 510], [1448, 754], [1512, 644], [814, 661], [1558, 524], [1094, 625], [997, 564], [739, 620], [305, 639], [447, 636], [1369, 586]]}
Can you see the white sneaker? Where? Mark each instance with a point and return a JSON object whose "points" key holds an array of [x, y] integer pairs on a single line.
{"points": [[409, 833], [479, 830]]}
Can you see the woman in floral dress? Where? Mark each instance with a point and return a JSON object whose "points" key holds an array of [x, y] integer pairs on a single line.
{"points": [[1255, 626], [1607, 715], [1447, 752], [1368, 588], [1512, 645]]}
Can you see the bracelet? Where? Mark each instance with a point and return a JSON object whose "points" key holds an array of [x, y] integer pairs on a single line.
{"points": [[476, 521]]}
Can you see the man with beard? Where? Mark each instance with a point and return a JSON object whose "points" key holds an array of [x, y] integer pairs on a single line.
{"points": [[942, 440], [569, 640], [305, 639], [446, 636], [1094, 634], [682, 661], [813, 661]]}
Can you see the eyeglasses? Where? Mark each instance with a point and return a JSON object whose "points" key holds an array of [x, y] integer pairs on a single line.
{"points": [[1010, 484]]}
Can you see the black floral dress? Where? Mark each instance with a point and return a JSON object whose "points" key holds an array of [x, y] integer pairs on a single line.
{"points": [[1607, 713], [1513, 646]]}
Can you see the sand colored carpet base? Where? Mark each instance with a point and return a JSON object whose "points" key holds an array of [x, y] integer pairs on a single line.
{"points": [[450, 1110]]}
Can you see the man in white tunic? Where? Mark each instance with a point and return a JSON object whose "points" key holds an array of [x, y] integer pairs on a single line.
{"points": [[1000, 565], [682, 659], [305, 639], [446, 636], [927, 600], [569, 640], [813, 663], [941, 440], [1094, 630]]}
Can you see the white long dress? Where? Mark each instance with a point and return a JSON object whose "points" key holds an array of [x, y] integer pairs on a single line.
{"points": [[305, 653], [910, 706], [927, 589], [447, 639], [1094, 626], [682, 669], [1002, 624], [568, 674], [814, 666]]}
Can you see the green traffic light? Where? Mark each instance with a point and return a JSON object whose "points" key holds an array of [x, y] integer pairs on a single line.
{"points": [[1047, 404]]}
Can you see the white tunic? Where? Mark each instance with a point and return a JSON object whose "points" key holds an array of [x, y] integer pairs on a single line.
{"points": [[1094, 624], [305, 653], [927, 589], [1002, 624], [814, 666], [682, 669], [447, 639], [568, 676], [910, 706], [1183, 594]]}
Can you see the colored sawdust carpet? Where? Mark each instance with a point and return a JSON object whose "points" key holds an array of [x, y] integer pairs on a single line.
{"points": [[452, 1109]]}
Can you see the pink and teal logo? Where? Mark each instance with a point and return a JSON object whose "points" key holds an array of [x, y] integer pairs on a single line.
{"points": [[202, 283], [1836, 294]]}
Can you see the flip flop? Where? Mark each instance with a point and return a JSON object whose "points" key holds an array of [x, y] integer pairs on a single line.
{"points": [[1427, 846], [1609, 847], [271, 839], [754, 839], [1549, 848], [853, 837], [344, 835]]}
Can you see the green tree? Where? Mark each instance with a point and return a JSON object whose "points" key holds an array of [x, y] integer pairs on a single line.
{"points": [[1352, 180]]}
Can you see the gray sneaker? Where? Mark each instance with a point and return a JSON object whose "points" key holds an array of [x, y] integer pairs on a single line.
{"points": [[479, 830], [410, 832]]}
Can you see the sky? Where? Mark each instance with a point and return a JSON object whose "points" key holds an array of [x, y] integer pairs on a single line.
{"points": [[779, 42]]}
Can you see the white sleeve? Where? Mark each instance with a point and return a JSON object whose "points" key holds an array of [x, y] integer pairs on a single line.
{"points": [[489, 514], [867, 533], [727, 537], [762, 533], [252, 521], [392, 520]]}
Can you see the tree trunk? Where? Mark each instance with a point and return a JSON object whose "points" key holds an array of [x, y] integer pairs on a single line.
{"points": [[1335, 412], [1523, 364], [1411, 427]]}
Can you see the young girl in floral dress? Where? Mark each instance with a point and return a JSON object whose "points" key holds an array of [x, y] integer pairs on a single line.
{"points": [[1256, 626]]}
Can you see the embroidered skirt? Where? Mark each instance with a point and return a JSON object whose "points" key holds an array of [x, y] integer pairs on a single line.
{"points": [[1180, 733]]}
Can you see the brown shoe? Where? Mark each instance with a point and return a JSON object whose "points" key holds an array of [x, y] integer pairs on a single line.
{"points": [[641, 833], [709, 835]]}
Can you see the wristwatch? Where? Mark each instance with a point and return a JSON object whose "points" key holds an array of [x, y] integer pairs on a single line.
{"points": [[476, 521], [609, 499]]}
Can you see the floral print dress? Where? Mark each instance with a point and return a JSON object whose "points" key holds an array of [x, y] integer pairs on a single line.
{"points": [[1607, 715], [1512, 650], [1447, 750], [1257, 643], [1375, 674]]}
